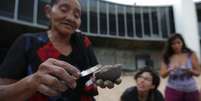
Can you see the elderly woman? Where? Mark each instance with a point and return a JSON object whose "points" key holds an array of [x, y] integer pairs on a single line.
{"points": [[47, 64]]}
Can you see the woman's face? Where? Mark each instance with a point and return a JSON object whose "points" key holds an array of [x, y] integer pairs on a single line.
{"points": [[144, 82], [65, 16], [177, 45]]}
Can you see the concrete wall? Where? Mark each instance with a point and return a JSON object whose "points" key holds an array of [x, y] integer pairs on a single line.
{"points": [[126, 57]]}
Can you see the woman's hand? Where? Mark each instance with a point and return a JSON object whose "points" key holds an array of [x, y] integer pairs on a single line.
{"points": [[165, 70], [173, 67], [108, 75], [55, 76]]}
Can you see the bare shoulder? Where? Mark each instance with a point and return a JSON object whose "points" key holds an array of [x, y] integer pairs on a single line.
{"points": [[194, 56]]}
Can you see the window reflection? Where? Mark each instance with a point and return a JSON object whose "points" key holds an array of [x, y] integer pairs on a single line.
{"points": [[112, 19], [138, 22], [84, 19], [26, 10], [93, 17], [103, 18], [146, 22], [171, 17], [154, 19], [42, 19], [129, 17], [7, 8], [163, 21], [121, 21]]}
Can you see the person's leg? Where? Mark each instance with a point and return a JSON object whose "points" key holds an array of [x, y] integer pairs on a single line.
{"points": [[173, 95], [192, 96]]}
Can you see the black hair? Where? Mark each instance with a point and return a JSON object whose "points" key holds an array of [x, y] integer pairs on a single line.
{"points": [[53, 2], [50, 2], [168, 51], [155, 76]]}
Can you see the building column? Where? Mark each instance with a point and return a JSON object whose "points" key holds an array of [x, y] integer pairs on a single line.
{"points": [[186, 23]]}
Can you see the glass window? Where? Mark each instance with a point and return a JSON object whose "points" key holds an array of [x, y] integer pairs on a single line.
{"points": [[146, 22], [103, 18], [163, 20], [154, 18], [42, 19], [93, 16], [143, 60], [84, 19], [26, 10], [171, 17], [129, 17], [7, 8], [83, 26], [121, 21], [112, 20], [83, 4], [138, 22]]}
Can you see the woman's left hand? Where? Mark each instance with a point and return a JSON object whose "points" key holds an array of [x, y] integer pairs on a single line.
{"points": [[190, 71]]}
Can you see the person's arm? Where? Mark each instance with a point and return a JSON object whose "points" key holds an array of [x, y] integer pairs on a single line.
{"points": [[196, 70], [10, 90], [53, 77], [164, 72]]}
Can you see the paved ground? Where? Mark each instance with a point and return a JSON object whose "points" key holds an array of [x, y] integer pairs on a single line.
{"points": [[115, 93]]}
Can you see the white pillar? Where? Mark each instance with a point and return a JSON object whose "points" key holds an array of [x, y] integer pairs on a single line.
{"points": [[186, 23]]}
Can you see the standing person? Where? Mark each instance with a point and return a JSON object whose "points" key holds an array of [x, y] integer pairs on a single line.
{"points": [[147, 83], [181, 64], [47, 64], [200, 94]]}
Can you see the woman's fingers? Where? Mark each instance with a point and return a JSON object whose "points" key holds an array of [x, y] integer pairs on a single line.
{"points": [[54, 83], [63, 71], [63, 75], [68, 67], [47, 90]]}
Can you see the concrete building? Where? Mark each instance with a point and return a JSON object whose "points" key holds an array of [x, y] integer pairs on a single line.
{"points": [[132, 35]]}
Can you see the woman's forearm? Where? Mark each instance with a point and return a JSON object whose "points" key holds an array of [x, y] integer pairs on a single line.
{"points": [[164, 74], [195, 72], [18, 91]]}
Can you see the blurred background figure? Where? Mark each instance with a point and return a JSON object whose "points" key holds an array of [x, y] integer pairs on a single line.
{"points": [[181, 64], [147, 83]]}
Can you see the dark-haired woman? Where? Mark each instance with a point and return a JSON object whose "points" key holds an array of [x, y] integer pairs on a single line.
{"points": [[181, 64], [46, 66], [147, 83]]}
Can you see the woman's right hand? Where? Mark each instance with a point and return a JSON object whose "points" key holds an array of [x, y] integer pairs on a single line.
{"points": [[173, 67], [55, 76]]}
